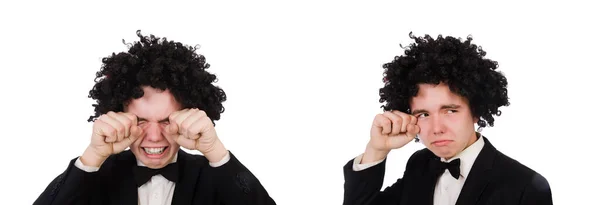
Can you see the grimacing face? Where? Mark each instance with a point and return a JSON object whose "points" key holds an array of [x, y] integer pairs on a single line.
{"points": [[154, 148], [446, 122]]}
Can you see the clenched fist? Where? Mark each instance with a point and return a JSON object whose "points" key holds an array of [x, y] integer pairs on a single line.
{"points": [[112, 133], [390, 130], [194, 130]]}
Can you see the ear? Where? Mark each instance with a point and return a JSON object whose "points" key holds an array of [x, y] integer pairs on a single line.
{"points": [[475, 119]]}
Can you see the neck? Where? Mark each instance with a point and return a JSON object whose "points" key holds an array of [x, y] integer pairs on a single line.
{"points": [[472, 140]]}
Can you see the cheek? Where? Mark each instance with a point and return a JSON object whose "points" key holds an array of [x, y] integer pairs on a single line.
{"points": [[422, 121], [137, 142], [171, 142], [169, 139], [452, 122], [174, 147], [425, 129], [460, 126]]}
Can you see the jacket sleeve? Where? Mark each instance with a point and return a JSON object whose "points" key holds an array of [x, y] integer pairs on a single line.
{"points": [[73, 186], [364, 187]]}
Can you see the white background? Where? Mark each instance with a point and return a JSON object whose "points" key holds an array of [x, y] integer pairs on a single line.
{"points": [[302, 82]]}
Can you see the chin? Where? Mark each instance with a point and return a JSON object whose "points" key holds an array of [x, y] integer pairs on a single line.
{"points": [[154, 163], [444, 153]]}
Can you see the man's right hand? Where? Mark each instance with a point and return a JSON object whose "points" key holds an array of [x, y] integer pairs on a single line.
{"points": [[112, 133], [390, 130]]}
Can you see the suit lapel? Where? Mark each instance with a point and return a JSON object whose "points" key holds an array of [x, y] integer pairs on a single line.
{"points": [[189, 170], [424, 184], [429, 182], [479, 176], [125, 190], [128, 193]]}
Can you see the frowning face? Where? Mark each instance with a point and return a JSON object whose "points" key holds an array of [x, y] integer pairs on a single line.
{"points": [[445, 118]]}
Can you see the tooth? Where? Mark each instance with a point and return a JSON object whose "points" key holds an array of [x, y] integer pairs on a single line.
{"points": [[154, 150]]}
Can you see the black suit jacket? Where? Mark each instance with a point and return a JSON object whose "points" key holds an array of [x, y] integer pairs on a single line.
{"points": [[494, 179], [199, 183]]}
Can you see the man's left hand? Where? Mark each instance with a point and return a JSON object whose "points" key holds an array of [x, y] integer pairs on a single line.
{"points": [[194, 130]]}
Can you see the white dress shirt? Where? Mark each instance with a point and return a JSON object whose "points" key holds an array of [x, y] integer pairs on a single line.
{"points": [[447, 188], [158, 190]]}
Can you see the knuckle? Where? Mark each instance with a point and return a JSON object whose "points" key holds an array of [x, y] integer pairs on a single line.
{"points": [[103, 117], [398, 120], [386, 122], [129, 116], [402, 114], [185, 126], [112, 132], [406, 119], [127, 123], [120, 128], [206, 119], [378, 117]]}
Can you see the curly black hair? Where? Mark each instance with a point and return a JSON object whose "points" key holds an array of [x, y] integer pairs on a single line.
{"points": [[460, 64], [161, 64]]}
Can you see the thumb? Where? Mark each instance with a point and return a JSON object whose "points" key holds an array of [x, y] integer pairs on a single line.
{"points": [[172, 131], [136, 132], [399, 141], [412, 130]]}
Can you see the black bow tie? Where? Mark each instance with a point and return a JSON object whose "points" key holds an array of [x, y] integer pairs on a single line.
{"points": [[439, 167], [143, 174]]}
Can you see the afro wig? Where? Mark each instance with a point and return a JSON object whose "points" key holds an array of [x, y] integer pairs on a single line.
{"points": [[161, 64], [459, 64]]}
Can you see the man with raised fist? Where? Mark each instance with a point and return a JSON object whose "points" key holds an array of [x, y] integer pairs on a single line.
{"points": [[153, 99], [435, 94]]}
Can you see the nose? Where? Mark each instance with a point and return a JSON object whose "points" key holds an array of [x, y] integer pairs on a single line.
{"points": [[438, 125], [153, 132]]}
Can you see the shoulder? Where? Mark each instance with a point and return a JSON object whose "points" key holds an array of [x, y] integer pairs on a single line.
{"points": [[191, 159], [512, 170], [419, 158], [422, 154], [187, 156]]}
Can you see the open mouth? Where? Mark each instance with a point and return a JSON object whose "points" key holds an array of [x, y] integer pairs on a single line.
{"points": [[154, 150]]}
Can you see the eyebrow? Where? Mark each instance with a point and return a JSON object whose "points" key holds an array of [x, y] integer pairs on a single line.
{"points": [[448, 106], [144, 119], [418, 111]]}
